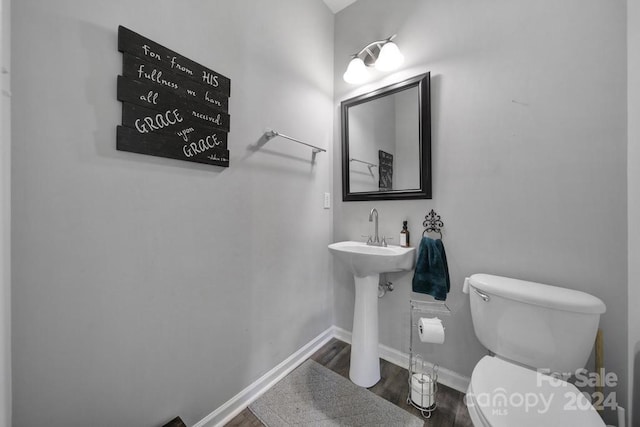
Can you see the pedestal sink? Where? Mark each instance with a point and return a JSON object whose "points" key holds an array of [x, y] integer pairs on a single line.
{"points": [[366, 263]]}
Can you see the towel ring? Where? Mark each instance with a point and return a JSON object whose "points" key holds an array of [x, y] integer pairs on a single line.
{"points": [[432, 223]]}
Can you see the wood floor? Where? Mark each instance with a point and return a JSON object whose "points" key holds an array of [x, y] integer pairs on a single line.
{"points": [[393, 387]]}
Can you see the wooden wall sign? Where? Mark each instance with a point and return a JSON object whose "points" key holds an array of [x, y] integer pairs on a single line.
{"points": [[171, 106]]}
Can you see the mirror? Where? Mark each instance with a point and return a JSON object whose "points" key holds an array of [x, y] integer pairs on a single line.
{"points": [[386, 143]]}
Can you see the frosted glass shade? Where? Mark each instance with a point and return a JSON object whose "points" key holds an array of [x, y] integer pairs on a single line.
{"points": [[389, 58], [356, 72]]}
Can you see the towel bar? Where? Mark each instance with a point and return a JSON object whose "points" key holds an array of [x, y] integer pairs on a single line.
{"points": [[269, 134]]}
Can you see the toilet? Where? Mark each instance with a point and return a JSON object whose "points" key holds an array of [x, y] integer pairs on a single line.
{"points": [[532, 330]]}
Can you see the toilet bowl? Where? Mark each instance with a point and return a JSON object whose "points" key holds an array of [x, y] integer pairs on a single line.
{"points": [[530, 328], [502, 394]]}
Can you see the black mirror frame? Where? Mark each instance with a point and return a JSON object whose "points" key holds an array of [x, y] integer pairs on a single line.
{"points": [[422, 82]]}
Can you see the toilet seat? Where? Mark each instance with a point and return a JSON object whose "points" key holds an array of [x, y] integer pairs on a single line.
{"points": [[502, 394]]}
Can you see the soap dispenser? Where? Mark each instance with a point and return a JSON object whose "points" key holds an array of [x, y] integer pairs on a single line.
{"points": [[404, 235]]}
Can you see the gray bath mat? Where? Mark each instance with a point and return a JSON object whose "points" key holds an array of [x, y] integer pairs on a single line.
{"points": [[313, 395]]}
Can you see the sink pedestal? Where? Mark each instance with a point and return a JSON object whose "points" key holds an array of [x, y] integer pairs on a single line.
{"points": [[366, 262], [365, 364]]}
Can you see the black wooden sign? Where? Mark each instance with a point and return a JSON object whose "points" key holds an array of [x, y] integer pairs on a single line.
{"points": [[385, 171], [171, 106]]}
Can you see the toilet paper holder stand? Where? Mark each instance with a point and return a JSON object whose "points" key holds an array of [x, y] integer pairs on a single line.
{"points": [[423, 375]]}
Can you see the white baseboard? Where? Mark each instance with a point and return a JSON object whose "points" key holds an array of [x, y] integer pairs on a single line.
{"points": [[240, 401], [445, 376], [341, 334]]}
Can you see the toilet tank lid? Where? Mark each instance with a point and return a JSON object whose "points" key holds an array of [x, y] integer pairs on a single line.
{"points": [[553, 297]]}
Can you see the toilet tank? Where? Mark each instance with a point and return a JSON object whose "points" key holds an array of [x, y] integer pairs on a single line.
{"points": [[536, 325]]}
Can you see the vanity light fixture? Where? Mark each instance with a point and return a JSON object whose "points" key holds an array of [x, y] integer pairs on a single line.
{"points": [[382, 54]]}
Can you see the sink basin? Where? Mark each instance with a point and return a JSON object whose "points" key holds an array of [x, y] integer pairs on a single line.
{"points": [[364, 260], [366, 263]]}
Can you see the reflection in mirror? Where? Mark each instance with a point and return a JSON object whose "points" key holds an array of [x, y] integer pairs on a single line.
{"points": [[386, 143], [383, 143]]}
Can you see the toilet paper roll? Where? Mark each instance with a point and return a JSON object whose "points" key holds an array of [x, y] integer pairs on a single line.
{"points": [[422, 390], [431, 330]]}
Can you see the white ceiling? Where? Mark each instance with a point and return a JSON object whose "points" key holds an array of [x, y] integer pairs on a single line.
{"points": [[337, 5]]}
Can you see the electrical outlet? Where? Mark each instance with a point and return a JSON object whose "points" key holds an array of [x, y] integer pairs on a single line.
{"points": [[327, 200]]}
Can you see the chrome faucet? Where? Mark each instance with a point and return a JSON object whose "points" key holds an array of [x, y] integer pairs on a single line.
{"points": [[373, 217]]}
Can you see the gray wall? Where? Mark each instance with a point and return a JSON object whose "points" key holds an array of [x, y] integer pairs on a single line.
{"points": [[145, 288], [5, 218], [633, 162], [529, 153], [367, 135]]}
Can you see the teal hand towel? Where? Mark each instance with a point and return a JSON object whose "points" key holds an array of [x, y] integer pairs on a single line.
{"points": [[431, 275]]}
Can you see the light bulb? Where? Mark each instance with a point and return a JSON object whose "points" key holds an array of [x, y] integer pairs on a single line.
{"points": [[356, 72], [389, 58]]}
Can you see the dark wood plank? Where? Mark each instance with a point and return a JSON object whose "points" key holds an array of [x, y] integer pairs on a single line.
{"points": [[171, 119], [170, 146], [463, 419], [393, 386], [245, 418], [335, 355], [153, 96], [176, 422]]}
